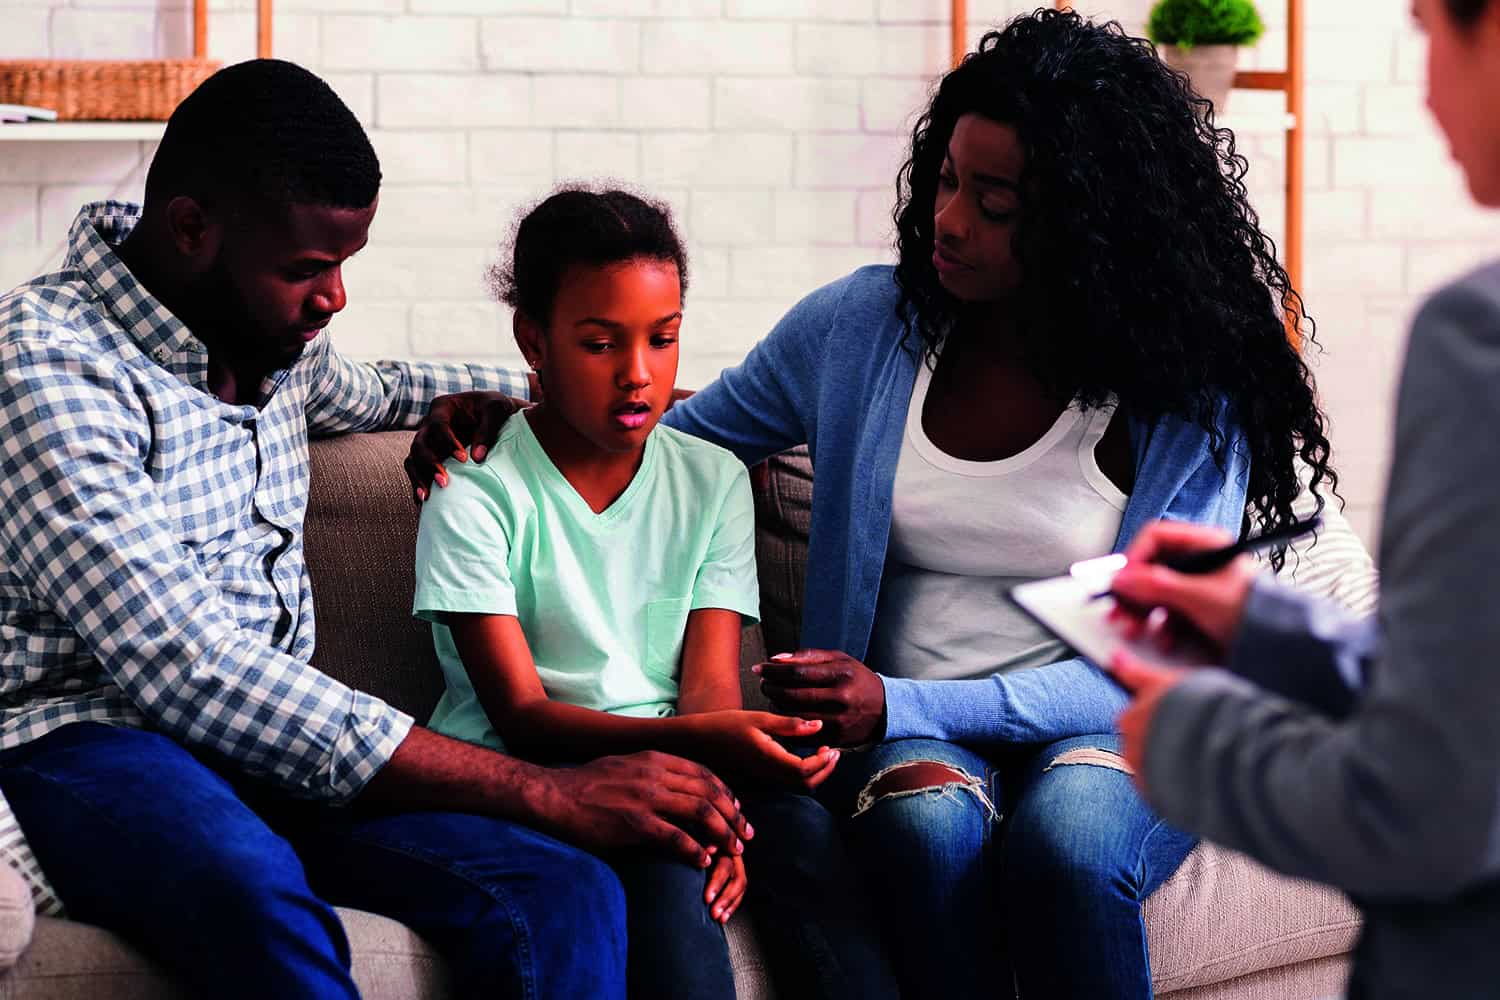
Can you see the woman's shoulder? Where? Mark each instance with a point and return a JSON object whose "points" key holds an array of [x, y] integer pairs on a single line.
{"points": [[864, 297]]}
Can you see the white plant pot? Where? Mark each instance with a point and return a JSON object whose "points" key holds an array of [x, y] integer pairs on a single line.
{"points": [[1210, 68]]}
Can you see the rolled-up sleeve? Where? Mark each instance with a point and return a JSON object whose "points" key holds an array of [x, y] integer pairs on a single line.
{"points": [[348, 395]]}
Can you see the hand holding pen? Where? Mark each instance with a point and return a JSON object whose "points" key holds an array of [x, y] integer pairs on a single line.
{"points": [[1184, 578]]}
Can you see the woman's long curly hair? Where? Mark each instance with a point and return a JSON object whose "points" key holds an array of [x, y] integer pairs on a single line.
{"points": [[1144, 273]]}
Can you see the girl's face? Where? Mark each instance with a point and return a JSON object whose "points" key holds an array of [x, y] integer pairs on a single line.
{"points": [[975, 211], [1463, 70], [608, 359]]}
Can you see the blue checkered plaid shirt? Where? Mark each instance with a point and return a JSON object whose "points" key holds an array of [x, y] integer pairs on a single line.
{"points": [[151, 567]]}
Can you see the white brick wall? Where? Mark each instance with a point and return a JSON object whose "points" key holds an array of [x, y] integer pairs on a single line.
{"points": [[773, 128]]}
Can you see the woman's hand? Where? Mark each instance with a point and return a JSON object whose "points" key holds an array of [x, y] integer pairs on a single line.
{"points": [[1202, 606], [456, 426], [746, 743], [827, 685], [726, 886]]}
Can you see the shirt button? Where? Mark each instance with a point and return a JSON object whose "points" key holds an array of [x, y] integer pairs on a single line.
{"points": [[162, 355]]}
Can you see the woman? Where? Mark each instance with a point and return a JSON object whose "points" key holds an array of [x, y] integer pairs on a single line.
{"points": [[1084, 333], [1363, 754]]}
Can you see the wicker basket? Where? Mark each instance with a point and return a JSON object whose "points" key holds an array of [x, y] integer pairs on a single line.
{"points": [[107, 90]]}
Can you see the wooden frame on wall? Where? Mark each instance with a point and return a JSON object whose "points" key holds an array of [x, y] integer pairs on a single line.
{"points": [[1290, 81], [262, 29]]}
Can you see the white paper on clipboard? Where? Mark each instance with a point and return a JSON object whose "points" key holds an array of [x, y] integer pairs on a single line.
{"points": [[1063, 605]]}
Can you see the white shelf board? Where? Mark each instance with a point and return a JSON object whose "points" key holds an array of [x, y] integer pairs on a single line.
{"points": [[82, 131]]}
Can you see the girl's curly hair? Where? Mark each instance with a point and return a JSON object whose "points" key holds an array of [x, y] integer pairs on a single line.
{"points": [[1144, 273]]}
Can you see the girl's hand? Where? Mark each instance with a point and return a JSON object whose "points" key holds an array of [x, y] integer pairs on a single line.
{"points": [[1201, 606], [746, 743], [726, 886], [828, 685]]}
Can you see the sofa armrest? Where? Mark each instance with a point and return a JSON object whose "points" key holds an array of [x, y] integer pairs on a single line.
{"points": [[17, 916]]}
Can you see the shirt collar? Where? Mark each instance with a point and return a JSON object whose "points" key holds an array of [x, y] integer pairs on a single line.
{"points": [[98, 229]]}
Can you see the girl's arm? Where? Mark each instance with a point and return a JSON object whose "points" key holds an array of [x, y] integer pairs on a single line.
{"points": [[500, 667], [710, 662]]}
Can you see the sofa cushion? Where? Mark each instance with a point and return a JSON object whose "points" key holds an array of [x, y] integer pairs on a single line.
{"points": [[360, 540], [1221, 916], [73, 961], [17, 915]]}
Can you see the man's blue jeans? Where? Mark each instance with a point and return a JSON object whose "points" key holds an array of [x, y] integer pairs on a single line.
{"points": [[142, 838], [1044, 858]]}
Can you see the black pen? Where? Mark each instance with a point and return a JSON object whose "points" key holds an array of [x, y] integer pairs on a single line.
{"points": [[1208, 560]]}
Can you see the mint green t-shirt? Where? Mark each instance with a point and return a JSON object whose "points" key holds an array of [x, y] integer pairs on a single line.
{"points": [[602, 598]]}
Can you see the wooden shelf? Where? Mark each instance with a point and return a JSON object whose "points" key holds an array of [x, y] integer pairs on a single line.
{"points": [[82, 131]]}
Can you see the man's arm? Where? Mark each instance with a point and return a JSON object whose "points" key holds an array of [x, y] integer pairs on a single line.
{"points": [[646, 800], [86, 521], [350, 395], [1402, 798]]}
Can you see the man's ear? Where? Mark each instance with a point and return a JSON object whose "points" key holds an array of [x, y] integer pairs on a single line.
{"points": [[530, 338], [194, 233]]}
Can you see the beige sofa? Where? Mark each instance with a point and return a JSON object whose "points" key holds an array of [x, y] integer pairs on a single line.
{"points": [[1222, 928]]}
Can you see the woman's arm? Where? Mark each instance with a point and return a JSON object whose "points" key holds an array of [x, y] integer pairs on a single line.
{"points": [[1070, 697], [768, 402]]}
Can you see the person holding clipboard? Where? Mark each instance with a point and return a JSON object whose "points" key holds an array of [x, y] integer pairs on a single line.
{"points": [[1364, 754]]}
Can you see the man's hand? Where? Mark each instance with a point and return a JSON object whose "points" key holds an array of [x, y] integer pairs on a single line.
{"points": [[726, 887], [646, 800], [847, 696], [1204, 606], [456, 426], [745, 743], [1147, 684]]}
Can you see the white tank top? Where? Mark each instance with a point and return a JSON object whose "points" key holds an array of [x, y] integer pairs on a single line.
{"points": [[963, 533]]}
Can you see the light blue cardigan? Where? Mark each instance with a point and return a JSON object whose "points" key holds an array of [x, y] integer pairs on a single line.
{"points": [[835, 375]]}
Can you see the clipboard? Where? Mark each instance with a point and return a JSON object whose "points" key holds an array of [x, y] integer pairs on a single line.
{"points": [[1064, 606]]}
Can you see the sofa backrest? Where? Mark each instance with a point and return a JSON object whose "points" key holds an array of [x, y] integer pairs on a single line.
{"points": [[360, 538]]}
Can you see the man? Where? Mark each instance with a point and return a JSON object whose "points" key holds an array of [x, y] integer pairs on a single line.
{"points": [[160, 721]]}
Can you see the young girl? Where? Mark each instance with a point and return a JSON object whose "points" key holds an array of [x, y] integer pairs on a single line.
{"points": [[588, 582]]}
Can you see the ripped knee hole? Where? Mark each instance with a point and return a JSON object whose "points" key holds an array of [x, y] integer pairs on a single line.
{"points": [[917, 777], [1092, 757]]}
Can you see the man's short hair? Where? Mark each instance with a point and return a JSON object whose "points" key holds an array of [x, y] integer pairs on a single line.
{"points": [[269, 132]]}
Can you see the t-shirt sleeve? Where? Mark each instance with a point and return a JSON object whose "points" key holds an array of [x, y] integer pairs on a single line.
{"points": [[727, 579], [463, 547]]}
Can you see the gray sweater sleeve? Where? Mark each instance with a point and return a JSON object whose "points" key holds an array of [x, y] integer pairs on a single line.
{"points": [[1398, 798], [1304, 648]]}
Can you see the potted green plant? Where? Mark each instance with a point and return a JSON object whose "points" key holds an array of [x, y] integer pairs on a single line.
{"points": [[1202, 38]]}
